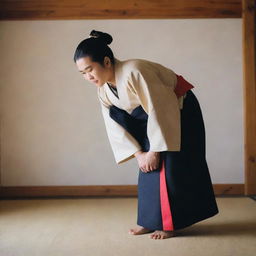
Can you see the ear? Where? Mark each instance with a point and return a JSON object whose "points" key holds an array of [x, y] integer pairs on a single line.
{"points": [[107, 61]]}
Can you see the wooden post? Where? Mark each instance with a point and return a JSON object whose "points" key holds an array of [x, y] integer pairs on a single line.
{"points": [[249, 55]]}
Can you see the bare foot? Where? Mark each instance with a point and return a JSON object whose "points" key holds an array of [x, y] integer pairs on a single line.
{"points": [[139, 231], [160, 234]]}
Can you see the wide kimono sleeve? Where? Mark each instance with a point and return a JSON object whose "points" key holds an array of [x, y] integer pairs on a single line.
{"points": [[122, 143], [162, 106]]}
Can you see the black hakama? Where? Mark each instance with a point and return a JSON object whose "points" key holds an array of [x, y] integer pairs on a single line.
{"points": [[179, 193]]}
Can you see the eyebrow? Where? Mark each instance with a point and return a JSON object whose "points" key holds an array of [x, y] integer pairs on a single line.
{"points": [[85, 69]]}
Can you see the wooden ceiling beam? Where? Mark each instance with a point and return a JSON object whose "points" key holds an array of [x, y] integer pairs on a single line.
{"points": [[118, 9]]}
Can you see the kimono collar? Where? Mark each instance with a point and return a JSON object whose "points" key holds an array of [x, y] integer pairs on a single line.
{"points": [[117, 70]]}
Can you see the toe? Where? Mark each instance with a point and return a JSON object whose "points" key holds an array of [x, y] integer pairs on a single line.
{"points": [[131, 231], [152, 236]]}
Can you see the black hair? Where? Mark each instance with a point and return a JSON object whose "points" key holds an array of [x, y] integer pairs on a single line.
{"points": [[96, 47]]}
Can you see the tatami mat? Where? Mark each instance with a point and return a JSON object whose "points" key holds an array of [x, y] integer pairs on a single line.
{"points": [[99, 227]]}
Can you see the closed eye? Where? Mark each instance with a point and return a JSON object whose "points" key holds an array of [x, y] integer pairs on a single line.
{"points": [[88, 71]]}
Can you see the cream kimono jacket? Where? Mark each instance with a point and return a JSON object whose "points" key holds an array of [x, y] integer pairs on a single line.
{"points": [[151, 85]]}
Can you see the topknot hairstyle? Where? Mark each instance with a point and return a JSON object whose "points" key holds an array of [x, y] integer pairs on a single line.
{"points": [[104, 37], [96, 47]]}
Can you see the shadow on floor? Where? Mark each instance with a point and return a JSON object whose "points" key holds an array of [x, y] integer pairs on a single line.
{"points": [[247, 228]]}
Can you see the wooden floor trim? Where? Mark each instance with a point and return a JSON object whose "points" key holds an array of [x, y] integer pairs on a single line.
{"points": [[90, 191]]}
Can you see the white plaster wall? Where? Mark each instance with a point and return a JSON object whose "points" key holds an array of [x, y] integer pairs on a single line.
{"points": [[52, 131]]}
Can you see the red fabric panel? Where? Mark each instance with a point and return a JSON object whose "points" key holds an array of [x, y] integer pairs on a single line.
{"points": [[164, 200]]}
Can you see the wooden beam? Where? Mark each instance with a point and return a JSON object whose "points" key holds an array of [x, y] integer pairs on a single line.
{"points": [[249, 53], [118, 9], [105, 190]]}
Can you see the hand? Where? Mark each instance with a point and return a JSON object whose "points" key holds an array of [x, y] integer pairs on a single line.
{"points": [[148, 161]]}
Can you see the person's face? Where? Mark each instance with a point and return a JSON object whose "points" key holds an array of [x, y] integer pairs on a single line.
{"points": [[94, 72]]}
